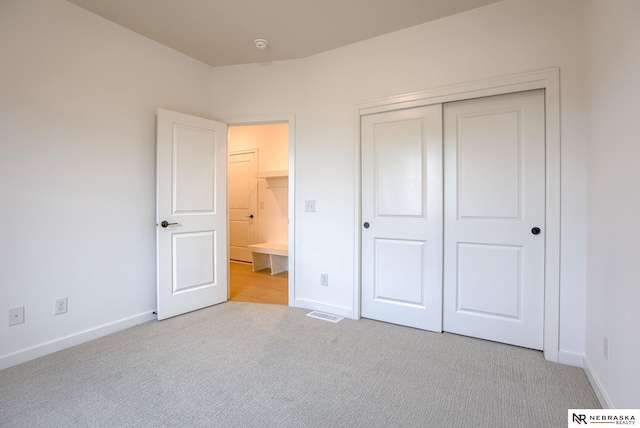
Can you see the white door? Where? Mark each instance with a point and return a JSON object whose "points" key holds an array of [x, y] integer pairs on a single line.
{"points": [[191, 213], [402, 217], [494, 164], [242, 204]]}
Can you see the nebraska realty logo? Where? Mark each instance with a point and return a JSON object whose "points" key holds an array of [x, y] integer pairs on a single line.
{"points": [[603, 416]]}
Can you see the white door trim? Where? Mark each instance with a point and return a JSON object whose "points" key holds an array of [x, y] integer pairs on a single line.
{"points": [[547, 79], [289, 118]]}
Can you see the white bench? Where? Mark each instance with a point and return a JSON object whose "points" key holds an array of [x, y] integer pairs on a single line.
{"points": [[270, 255]]}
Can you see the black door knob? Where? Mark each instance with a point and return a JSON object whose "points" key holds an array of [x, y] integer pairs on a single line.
{"points": [[535, 231], [166, 223], [366, 225]]}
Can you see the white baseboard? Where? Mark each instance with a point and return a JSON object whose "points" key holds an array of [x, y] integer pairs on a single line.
{"points": [[46, 348], [571, 358], [605, 402], [322, 307]]}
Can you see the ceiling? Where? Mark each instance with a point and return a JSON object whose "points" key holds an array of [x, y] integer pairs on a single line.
{"points": [[221, 32]]}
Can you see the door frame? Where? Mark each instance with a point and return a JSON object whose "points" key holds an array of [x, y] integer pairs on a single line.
{"points": [[266, 119], [547, 79]]}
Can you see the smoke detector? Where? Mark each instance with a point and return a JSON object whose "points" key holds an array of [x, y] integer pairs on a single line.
{"points": [[261, 43]]}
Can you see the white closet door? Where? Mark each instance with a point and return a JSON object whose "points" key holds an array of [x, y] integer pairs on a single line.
{"points": [[494, 232], [402, 217]]}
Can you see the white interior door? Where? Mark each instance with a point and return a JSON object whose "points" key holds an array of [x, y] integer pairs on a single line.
{"points": [[402, 217], [494, 200], [242, 204], [191, 213]]}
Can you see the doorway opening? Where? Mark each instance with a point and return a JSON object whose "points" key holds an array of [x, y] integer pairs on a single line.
{"points": [[258, 207]]}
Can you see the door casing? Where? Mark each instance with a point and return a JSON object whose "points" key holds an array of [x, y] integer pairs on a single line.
{"points": [[547, 79]]}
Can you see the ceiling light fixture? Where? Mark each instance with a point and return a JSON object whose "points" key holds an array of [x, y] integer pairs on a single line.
{"points": [[261, 43]]}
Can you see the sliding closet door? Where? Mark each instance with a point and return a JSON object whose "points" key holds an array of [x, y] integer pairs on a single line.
{"points": [[494, 218], [402, 217]]}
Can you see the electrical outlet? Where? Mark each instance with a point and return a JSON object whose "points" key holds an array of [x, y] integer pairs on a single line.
{"points": [[606, 348], [324, 279], [16, 315], [310, 206], [61, 306]]}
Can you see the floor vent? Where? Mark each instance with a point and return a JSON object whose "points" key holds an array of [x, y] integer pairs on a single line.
{"points": [[325, 317]]}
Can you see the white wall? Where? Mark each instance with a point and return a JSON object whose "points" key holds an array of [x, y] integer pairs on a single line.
{"points": [[508, 37], [613, 268], [78, 97], [272, 142]]}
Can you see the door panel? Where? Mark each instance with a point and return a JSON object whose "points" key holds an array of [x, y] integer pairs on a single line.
{"points": [[402, 203], [191, 196], [242, 204], [399, 174], [489, 185], [407, 257], [194, 183], [494, 196], [192, 263], [489, 270]]}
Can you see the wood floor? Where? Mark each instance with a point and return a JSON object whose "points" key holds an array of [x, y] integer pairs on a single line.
{"points": [[260, 286]]}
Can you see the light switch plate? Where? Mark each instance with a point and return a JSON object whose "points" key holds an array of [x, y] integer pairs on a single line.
{"points": [[310, 206]]}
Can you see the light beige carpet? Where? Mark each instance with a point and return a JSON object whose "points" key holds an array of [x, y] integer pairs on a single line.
{"points": [[256, 365]]}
